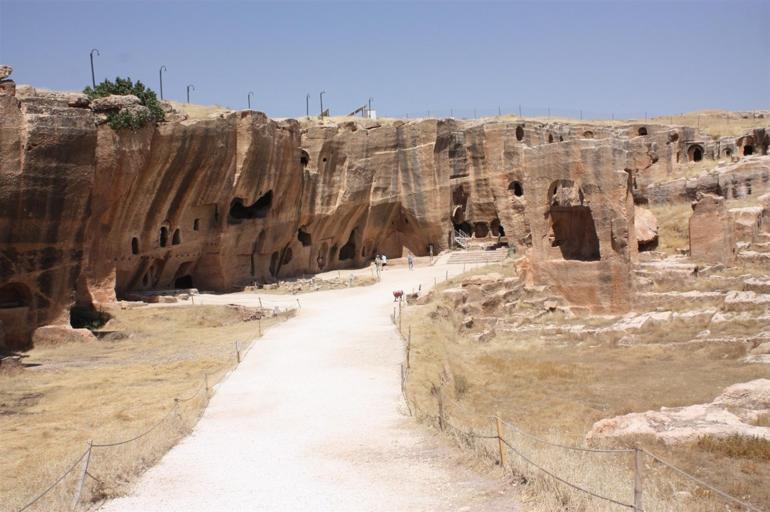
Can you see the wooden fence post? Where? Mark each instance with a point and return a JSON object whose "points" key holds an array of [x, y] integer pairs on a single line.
{"points": [[82, 477], [638, 463], [500, 443]]}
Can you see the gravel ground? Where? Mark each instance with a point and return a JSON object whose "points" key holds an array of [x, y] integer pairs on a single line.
{"points": [[313, 420]]}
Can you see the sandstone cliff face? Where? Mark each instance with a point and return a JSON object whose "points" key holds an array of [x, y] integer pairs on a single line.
{"points": [[88, 214]]}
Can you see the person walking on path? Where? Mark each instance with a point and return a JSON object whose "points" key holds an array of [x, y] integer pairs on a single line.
{"points": [[410, 261]]}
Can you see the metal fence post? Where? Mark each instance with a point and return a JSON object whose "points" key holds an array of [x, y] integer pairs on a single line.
{"points": [[638, 462], [82, 477]]}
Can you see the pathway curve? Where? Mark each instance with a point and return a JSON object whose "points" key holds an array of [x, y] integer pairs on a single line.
{"points": [[313, 420]]}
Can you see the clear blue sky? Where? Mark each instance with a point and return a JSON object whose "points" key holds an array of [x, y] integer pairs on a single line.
{"points": [[625, 57]]}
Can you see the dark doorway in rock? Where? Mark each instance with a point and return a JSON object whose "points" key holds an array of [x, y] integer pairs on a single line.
{"points": [[465, 228], [519, 133], [196, 224], [550, 138], [258, 210], [573, 231], [516, 187], [695, 153], [748, 149], [304, 238], [87, 317], [348, 251], [496, 228], [184, 282], [642, 130], [15, 295], [163, 236], [481, 230], [134, 246], [176, 238], [728, 152], [304, 158]]}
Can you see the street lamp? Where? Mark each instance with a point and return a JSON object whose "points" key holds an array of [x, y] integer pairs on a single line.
{"points": [[189, 86], [162, 69], [322, 103], [93, 78], [307, 105], [369, 112], [248, 98]]}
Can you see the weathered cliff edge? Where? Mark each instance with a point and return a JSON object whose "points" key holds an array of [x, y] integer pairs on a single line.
{"points": [[88, 213]]}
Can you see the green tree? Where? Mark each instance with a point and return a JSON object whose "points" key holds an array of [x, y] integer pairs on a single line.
{"points": [[125, 118]]}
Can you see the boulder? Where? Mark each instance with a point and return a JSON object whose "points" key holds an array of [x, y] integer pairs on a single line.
{"points": [[60, 334], [712, 232], [5, 71], [732, 413], [114, 102], [646, 226]]}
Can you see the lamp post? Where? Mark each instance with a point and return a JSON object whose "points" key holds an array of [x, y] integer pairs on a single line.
{"points": [[307, 105], [322, 103], [93, 78], [189, 86], [248, 98], [160, 73], [369, 112]]}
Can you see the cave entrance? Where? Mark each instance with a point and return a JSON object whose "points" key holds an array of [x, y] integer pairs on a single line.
{"points": [[176, 238], [184, 282], [304, 238], [573, 231], [642, 131], [348, 251], [134, 246], [163, 237], [748, 149], [695, 153], [516, 187], [15, 295], [496, 228], [258, 210], [519, 133]]}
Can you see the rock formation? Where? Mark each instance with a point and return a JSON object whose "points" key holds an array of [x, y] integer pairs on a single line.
{"points": [[734, 412], [89, 214], [712, 231]]}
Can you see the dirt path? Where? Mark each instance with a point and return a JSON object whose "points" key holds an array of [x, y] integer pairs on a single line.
{"points": [[313, 420]]}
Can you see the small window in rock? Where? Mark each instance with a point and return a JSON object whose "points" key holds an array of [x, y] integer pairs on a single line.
{"points": [[643, 130], [176, 239], [134, 245], [196, 224], [519, 133], [695, 153], [728, 152], [517, 188], [550, 138], [304, 238], [748, 149], [163, 236]]}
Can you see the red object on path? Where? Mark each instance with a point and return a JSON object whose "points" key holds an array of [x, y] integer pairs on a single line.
{"points": [[397, 294]]}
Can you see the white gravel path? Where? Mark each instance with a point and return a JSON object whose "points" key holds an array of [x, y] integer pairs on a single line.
{"points": [[313, 420]]}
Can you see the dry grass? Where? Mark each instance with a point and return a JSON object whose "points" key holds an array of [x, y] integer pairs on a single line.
{"points": [[300, 286], [752, 448], [109, 391], [195, 111], [559, 389], [717, 123]]}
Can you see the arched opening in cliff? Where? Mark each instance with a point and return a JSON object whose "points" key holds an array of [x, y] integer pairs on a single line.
{"points": [[642, 130], [465, 228], [134, 246], [481, 230], [573, 231], [348, 251], [550, 138], [15, 295], [496, 228], [728, 153], [304, 158], [520, 133], [176, 238], [572, 227], [288, 254], [460, 196], [304, 238], [258, 210], [196, 224], [184, 282], [516, 187], [588, 134], [695, 153], [163, 237], [748, 149]]}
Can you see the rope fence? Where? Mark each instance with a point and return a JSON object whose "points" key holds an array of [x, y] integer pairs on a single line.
{"points": [[108, 472], [581, 472]]}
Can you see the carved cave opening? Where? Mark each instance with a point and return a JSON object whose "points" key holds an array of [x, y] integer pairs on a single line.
{"points": [[163, 237], [176, 238], [748, 149], [304, 238], [573, 231], [348, 251], [588, 134], [15, 295], [695, 154], [519, 133], [516, 187], [642, 130], [481, 230], [258, 210], [496, 228], [184, 282], [196, 224], [135, 246], [304, 158]]}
